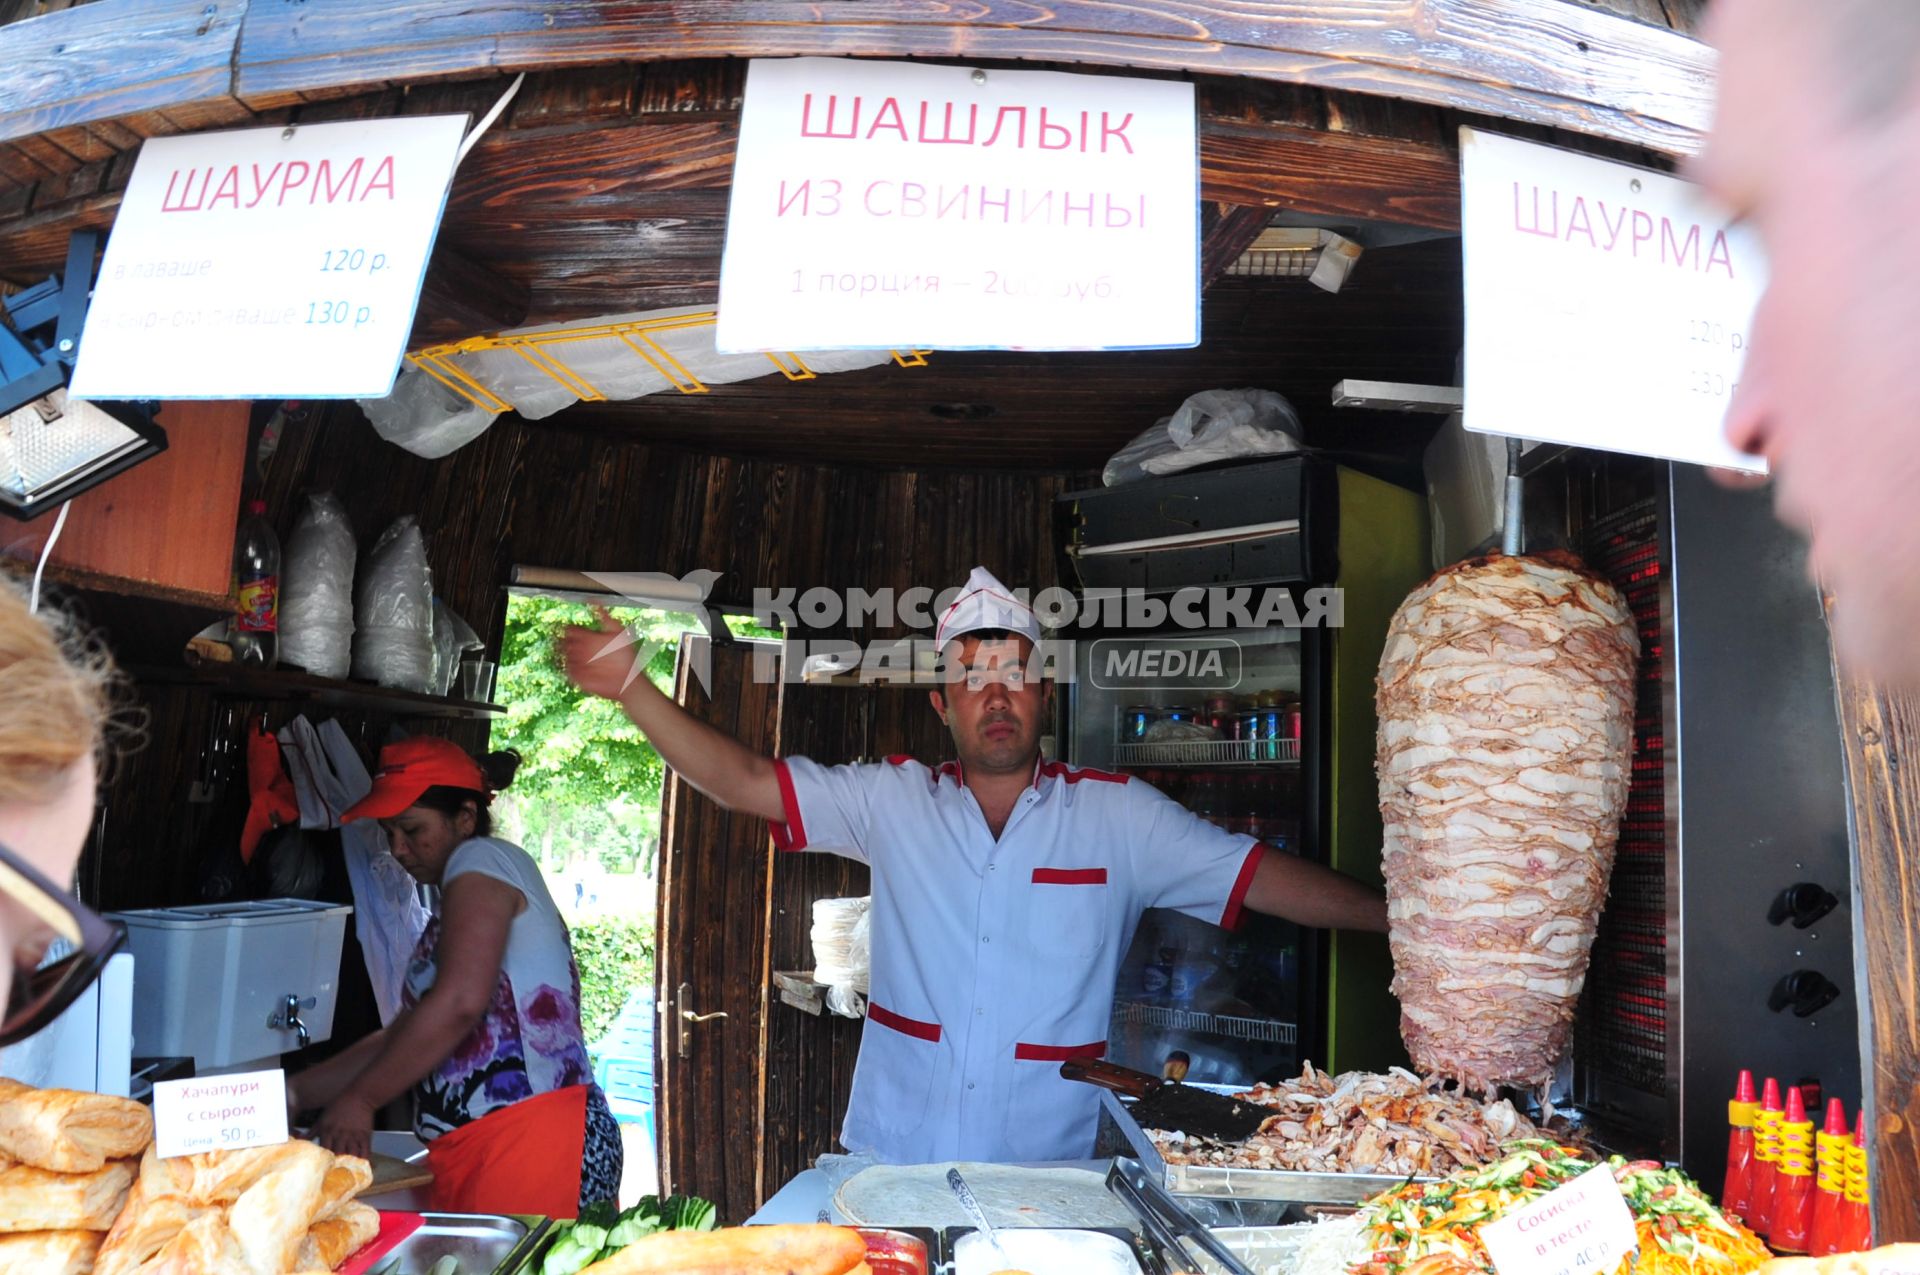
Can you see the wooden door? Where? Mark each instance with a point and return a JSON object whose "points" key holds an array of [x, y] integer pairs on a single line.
{"points": [[712, 952]]}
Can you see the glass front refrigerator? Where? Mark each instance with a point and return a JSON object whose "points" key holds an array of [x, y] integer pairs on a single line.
{"points": [[1236, 742]]}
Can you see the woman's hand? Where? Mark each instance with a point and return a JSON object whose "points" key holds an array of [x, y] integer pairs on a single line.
{"points": [[346, 1127]]}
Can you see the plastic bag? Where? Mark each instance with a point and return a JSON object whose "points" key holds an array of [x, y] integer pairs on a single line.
{"points": [[452, 638], [316, 598], [841, 953], [425, 417], [394, 611], [1211, 426]]}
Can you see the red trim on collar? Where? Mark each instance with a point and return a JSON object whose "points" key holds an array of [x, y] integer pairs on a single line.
{"points": [[902, 1024], [1074, 774], [1059, 1053], [899, 759], [1236, 901], [790, 834]]}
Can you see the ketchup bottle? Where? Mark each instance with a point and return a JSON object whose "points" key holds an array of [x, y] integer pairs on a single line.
{"points": [[1793, 1184], [1830, 1175], [1737, 1195], [1766, 1158]]}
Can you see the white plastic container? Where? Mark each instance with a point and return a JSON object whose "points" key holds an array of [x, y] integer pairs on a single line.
{"points": [[213, 982]]}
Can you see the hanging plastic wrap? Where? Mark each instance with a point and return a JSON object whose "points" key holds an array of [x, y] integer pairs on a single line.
{"points": [[1211, 426], [316, 590], [840, 953], [425, 417], [394, 611], [453, 637]]}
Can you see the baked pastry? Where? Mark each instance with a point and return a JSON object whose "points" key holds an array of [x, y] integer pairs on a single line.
{"points": [[35, 1200], [349, 1176], [67, 1131], [204, 1247], [49, 1253], [221, 1177], [272, 1216], [143, 1228], [332, 1240]]}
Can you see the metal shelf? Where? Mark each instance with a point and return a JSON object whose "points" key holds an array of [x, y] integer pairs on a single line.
{"points": [[1167, 1018], [1209, 752], [229, 681]]}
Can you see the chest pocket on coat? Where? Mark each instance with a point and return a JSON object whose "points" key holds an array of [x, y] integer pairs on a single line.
{"points": [[1069, 911]]}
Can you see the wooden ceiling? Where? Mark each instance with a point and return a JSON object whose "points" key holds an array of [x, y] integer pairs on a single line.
{"points": [[604, 189], [1398, 318]]}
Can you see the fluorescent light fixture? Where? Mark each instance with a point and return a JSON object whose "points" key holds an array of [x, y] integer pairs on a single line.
{"points": [[53, 447], [1321, 257]]}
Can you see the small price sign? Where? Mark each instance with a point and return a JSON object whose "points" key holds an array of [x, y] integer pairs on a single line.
{"points": [[1577, 1228], [219, 1113]]}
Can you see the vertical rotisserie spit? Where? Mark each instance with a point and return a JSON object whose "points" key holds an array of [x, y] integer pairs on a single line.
{"points": [[1505, 701]]}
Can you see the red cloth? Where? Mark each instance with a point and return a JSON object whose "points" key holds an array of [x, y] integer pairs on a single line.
{"points": [[271, 800], [519, 1159]]}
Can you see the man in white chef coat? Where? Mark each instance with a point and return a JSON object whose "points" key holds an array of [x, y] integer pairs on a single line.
{"points": [[1006, 889]]}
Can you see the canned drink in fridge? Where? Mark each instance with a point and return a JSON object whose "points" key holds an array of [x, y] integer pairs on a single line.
{"points": [[1290, 726], [1268, 734], [1134, 721]]}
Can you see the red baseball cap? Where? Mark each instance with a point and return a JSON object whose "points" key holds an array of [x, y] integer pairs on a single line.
{"points": [[410, 767]]}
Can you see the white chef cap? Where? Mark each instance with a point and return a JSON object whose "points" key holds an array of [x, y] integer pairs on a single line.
{"points": [[985, 603]]}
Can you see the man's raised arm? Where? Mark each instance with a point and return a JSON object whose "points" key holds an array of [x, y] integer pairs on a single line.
{"points": [[600, 662]]}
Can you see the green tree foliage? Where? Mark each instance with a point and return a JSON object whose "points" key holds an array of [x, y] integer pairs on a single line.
{"points": [[589, 782], [615, 958]]}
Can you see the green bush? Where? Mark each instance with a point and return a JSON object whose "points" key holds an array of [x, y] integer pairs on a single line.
{"points": [[615, 959]]}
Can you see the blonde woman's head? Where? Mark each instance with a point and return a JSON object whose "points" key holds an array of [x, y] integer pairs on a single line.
{"points": [[56, 706]]}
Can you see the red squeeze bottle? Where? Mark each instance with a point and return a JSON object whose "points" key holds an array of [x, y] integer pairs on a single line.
{"points": [[1862, 1237], [1737, 1195], [1793, 1184], [1829, 1187], [1766, 1158]]}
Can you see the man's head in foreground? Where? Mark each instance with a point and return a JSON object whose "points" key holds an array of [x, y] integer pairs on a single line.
{"points": [[1816, 141], [994, 703]]}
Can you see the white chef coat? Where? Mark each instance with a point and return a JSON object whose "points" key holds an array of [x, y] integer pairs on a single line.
{"points": [[994, 960]]}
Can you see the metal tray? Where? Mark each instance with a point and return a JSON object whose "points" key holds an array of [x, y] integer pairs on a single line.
{"points": [[483, 1244], [1251, 1184]]}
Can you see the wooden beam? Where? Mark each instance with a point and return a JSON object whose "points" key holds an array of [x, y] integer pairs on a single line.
{"points": [[1880, 730], [1230, 230], [114, 58], [1547, 62], [462, 298]]}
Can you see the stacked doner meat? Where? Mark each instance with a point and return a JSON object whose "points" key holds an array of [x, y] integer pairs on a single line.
{"points": [[1506, 708], [1358, 1122]]}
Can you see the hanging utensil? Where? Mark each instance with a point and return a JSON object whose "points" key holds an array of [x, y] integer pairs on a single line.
{"points": [[964, 1194]]}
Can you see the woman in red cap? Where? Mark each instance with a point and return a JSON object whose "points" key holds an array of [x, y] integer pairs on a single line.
{"points": [[489, 1037]]}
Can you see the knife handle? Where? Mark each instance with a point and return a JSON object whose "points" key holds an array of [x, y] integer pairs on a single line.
{"points": [[1121, 1080]]}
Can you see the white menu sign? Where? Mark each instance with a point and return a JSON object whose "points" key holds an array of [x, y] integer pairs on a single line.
{"points": [[879, 205], [1573, 1229], [1607, 306], [269, 262], [219, 1113]]}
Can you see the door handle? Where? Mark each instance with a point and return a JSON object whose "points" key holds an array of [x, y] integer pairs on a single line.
{"points": [[688, 1017]]}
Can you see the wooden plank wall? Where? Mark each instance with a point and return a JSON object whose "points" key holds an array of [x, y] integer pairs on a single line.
{"points": [[714, 886]]}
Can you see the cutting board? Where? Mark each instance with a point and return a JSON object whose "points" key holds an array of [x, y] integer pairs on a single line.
{"points": [[390, 1173]]}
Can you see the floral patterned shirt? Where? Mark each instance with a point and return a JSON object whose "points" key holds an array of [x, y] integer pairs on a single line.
{"points": [[530, 1041]]}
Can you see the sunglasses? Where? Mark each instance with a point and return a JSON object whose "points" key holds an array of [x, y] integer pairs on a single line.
{"points": [[42, 993]]}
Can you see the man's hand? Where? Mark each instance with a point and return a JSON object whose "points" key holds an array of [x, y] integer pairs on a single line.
{"points": [[598, 660], [346, 1127]]}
